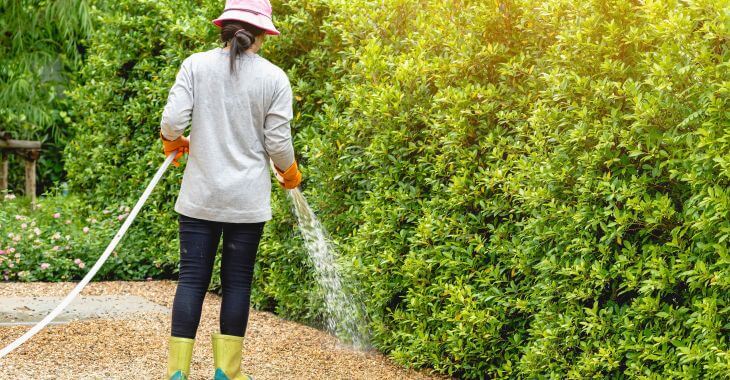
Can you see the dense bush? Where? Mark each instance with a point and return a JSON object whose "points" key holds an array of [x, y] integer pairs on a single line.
{"points": [[523, 188]]}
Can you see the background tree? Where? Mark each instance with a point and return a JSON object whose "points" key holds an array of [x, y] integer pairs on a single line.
{"points": [[42, 48]]}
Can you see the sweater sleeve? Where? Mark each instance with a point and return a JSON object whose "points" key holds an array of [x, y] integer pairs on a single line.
{"points": [[277, 130], [179, 108]]}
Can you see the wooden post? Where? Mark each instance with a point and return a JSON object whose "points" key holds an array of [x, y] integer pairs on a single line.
{"points": [[30, 151], [3, 171], [30, 181]]}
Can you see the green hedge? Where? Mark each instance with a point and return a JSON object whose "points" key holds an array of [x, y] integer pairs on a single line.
{"points": [[523, 188]]}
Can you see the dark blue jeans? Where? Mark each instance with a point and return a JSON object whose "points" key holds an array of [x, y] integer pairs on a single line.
{"points": [[198, 246]]}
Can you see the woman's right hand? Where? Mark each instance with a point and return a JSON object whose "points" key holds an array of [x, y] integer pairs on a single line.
{"points": [[181, 145], [289, 178]]}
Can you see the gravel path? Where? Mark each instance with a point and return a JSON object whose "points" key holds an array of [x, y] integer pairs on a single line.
{"points": [[136, 348]]}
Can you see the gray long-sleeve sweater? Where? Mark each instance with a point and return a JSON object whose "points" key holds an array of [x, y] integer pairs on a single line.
{"points": [[236, 124]]}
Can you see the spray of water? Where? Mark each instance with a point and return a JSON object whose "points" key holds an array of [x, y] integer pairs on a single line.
{"points": [[345, 317]]}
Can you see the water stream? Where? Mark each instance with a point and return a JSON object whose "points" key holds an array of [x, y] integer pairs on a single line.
{"points": [[345, 317]]}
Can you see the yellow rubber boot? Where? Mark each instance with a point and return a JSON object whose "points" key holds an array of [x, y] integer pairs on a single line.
{"points": [[180, 351], [227, 357]]}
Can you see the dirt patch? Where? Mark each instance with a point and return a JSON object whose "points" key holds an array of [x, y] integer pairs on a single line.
{"points": [[136, 347]]}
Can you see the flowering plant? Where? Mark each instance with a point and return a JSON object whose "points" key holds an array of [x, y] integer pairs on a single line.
{"points": [[57, 240]]}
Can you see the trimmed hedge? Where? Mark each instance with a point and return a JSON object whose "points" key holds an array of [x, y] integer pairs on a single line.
{"points": [[522, 188]]}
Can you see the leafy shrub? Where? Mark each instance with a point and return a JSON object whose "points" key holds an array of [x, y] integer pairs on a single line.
{"points": [[523, 188]]}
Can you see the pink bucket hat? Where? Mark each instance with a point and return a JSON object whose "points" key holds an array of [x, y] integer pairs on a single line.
{"points": [[254, 12]]}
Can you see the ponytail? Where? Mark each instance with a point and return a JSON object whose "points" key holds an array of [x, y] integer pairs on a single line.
{"points": [[241, 36]]}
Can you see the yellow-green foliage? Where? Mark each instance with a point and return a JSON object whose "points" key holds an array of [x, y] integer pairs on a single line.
{"points": [[523, 188]]}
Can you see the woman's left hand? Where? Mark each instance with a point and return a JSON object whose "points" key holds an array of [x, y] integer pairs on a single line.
{"points": [[181, 145]]}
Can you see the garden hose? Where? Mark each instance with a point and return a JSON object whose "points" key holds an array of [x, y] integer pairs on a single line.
{"points": [[109, 249]]}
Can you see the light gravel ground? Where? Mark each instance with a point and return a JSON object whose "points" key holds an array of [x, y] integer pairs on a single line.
{"points": [[136, 348]]}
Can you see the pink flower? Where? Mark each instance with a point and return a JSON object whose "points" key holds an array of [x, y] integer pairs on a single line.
{"points": [[24, 226], [149, 278], [18, 217], [56, 248], [77, 261], [105, 212], [10, 264], [82, 265], [37, 231], [2, 252], [121, 217], [86, 230], [45, 266], [11, 250], [56, 215]]}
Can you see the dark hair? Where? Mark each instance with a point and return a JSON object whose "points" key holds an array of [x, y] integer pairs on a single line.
{"points": [[240, 35]]}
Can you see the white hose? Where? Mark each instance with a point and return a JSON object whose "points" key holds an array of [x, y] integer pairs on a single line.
{"points": [[113, 244]]}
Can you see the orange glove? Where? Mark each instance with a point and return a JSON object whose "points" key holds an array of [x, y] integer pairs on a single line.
{"points": [[292, 177], [181, 144]]}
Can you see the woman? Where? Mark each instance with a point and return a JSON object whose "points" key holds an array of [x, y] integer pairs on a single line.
{"points": [[239, 106]]}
